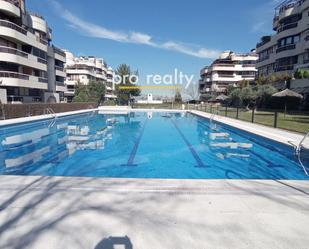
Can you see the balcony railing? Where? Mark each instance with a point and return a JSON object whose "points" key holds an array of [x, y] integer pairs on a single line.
{"points": [[284, 68], [263, 58], [59, 83], [225, 76], [224, 65], [15, 75], [40, 60], [14, 2], [43, 80], [59, 68], [248, 65], [264, 41], [59, 51], [288, 26], [287, 47], [12, 25], [10, 50], [41, 40]]}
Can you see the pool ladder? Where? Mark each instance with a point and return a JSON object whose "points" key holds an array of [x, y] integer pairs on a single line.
{"points": [[298, 150], [50, 111], [212, 117]]}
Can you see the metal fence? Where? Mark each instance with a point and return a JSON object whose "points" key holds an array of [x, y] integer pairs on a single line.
{"points": [[292, 120]]}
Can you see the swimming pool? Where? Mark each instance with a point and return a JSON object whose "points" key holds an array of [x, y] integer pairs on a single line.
{"points": [[143, 145]]}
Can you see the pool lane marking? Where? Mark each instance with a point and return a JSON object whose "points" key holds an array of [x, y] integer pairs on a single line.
{"points": [[199, 161], [137, 142]]}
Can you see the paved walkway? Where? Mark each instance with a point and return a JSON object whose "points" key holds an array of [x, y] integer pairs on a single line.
{"points": [[89, 213]]}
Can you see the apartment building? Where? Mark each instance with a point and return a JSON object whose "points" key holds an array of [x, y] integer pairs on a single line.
{"points": [[287, 49], [85, 69], [228, 70], [31, 69]]}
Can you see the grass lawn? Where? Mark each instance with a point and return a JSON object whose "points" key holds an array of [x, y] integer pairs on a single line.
{"points": [[298, 123]]}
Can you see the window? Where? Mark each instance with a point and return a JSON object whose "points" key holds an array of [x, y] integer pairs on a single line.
{"points": [[288, 40]]}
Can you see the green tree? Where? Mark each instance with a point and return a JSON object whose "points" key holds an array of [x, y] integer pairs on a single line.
{"points": [[178, 98], [264, 94], [235, 97], [205, 97], [123, 94], [244, 83], [261, 80], [306, 74], [93, 92], [247, 96]]}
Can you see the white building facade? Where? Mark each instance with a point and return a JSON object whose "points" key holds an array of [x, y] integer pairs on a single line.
{"points": [[31, 69], [86, 69], [228, 70], [288, 49]]}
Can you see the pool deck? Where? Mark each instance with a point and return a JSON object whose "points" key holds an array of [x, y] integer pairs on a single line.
{"points": [[64, 212]]}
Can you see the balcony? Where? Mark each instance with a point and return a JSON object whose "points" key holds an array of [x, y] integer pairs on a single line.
{"points": [[13, 26], [22, 80], [284, 68], [15, 75], [11, 7], [288, 26], [13, 55], [264, 40], [43, 80], [14, 51], [20, 30], [59, 51], [59, 68], [40, 60], [263, 58], [287, 47]]}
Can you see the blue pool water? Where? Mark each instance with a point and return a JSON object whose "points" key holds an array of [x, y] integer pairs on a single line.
{"points": [[143, 145]]}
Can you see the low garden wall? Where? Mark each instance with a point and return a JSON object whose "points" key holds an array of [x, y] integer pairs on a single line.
{"points": [[27, 110]]}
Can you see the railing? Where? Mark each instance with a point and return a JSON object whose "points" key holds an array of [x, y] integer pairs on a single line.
{"points": [[225, 76], [14, 26], [223, 65], [40, 60], [287, 47], [248, 65], [298, 150], [59, 83], [41, 40], [59, 68], [284, 68], [49, 110], [292, 121], [7, 74], [288, 26], [43, 80], [264, 58], [14, 2], [59, 51], [10, 50]]}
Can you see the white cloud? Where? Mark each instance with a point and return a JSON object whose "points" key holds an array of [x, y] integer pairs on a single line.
{"points": [[98, 31]]}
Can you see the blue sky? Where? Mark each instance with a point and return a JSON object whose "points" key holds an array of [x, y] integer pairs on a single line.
{"points": [[156, 36]]}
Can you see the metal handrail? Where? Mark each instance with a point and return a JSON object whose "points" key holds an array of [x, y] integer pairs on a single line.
{"points": [[298, 150], [49, 110]]}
